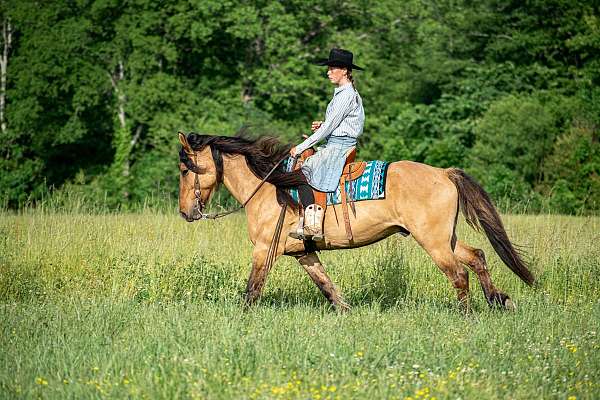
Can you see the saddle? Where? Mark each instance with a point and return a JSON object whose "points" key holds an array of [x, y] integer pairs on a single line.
{"points": [[352, 170]]}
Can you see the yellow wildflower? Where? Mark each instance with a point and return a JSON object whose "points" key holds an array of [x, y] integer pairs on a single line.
{"points": [[41, 381]]}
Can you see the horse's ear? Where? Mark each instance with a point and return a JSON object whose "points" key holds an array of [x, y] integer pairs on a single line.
{"points": [[184, 142]]}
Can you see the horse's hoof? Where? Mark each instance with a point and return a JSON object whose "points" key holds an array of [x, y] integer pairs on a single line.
{"points": [[343, 307], [509, 305], [502, 301]]}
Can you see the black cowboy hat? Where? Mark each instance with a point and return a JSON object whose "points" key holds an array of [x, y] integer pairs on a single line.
{"points": [[339, 58]]}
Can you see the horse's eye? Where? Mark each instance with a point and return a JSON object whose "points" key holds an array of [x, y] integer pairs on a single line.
{"points": [[185, 172]]}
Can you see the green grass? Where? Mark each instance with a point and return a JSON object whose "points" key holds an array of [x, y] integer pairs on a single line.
{"points": [[148, 306]]}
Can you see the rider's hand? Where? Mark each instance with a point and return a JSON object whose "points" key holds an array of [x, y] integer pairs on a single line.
{"points": [[293, 151], [315, 125]]}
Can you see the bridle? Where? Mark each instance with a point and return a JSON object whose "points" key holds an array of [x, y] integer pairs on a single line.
{"points": [[199, 203], [274, 245]]}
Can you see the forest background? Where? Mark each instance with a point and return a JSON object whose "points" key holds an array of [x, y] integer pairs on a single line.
{"points": [[93, 92]]}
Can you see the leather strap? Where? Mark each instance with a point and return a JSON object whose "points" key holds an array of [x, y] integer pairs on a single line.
{"points": [[345, 208], [320, 198], [197, 171]]}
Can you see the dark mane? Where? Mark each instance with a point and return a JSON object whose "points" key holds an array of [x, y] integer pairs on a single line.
{"points": [[262, 153]]}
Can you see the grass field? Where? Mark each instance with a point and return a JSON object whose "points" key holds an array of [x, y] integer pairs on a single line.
{"points": [[148, 306]]}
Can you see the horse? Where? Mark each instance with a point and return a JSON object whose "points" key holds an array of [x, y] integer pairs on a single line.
{"points": [[421, 200]]}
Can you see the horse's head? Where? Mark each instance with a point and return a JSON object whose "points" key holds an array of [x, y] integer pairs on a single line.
{"points": [[197, 179]]}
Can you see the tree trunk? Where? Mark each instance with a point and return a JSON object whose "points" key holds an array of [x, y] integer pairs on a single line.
{"points": [[122, 138], [121, 99], [7, 36]]}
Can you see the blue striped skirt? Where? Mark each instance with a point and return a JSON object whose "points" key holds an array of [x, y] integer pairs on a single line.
{"points": [[324, 169]]}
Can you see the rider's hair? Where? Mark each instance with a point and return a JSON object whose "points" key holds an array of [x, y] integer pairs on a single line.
{"points": [[349, 76]]}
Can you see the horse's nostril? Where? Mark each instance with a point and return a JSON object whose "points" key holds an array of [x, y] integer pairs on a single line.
{"points": [[188, 218]]}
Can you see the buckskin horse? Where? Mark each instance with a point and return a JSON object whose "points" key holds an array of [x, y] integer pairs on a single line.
{"points": [[420, 200]]}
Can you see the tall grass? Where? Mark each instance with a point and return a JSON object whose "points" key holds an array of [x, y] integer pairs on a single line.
{"points": [[145, 305]]}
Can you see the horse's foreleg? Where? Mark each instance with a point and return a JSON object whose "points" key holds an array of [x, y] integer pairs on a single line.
{"points": [[258, 275], [312, 265], [475, 260]]}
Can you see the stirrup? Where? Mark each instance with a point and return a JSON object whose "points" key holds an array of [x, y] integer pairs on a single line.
{"points": [[316, 235], [298, 233]]}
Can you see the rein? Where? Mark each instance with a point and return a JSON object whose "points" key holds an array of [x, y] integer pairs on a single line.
{"points": [[198, 193]]}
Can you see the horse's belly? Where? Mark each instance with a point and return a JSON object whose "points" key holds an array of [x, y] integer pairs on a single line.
{"points": [[339, 240]]}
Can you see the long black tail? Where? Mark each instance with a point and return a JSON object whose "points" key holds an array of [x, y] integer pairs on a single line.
{"points": [[480, 213]]}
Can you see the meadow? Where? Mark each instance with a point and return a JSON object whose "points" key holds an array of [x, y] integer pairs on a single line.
{"points": [[145, 305]]}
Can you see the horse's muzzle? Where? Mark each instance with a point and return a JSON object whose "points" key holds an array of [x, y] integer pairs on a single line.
{"points": [[185, 216], [195, 215]]}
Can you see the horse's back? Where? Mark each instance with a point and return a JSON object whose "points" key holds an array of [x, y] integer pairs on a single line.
{"points": [[415, 175], [420, 192]]}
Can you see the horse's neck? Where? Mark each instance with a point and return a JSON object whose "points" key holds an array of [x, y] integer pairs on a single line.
{"points": [[239, 180], [241, 183]]}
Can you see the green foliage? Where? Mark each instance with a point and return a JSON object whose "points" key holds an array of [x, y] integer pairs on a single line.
{"points": [[572, 171], [512, 138], [99, 88]]}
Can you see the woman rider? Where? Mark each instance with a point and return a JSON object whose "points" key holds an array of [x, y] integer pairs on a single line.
{"points": [[343, 124]]}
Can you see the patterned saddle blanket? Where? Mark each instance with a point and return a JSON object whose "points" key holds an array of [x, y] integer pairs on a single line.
{"points": [[369, 186]]}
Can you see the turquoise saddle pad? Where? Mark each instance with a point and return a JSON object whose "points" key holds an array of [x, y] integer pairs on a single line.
{"points": [[369, 186]]}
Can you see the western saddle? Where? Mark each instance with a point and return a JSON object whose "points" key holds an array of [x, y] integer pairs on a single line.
{"points": [[352, 170]]}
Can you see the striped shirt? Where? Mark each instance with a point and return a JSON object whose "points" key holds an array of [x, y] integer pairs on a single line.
{"points": [[345, 116]]}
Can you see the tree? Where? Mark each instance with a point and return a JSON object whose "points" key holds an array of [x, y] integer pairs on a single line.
{"points": [[512, 139], [6, 46], [572, 172], [96, 89]]}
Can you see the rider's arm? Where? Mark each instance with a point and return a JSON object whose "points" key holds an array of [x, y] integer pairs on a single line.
{"points": [[340, 107]]}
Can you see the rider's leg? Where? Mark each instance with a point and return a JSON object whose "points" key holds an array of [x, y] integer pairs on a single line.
{"points": [[314, 203], [305, 193]]}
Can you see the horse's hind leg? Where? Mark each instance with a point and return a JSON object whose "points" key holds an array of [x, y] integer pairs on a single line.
{"points": [[437, 243], [475, 260], [456, 274], [312, 265]]}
